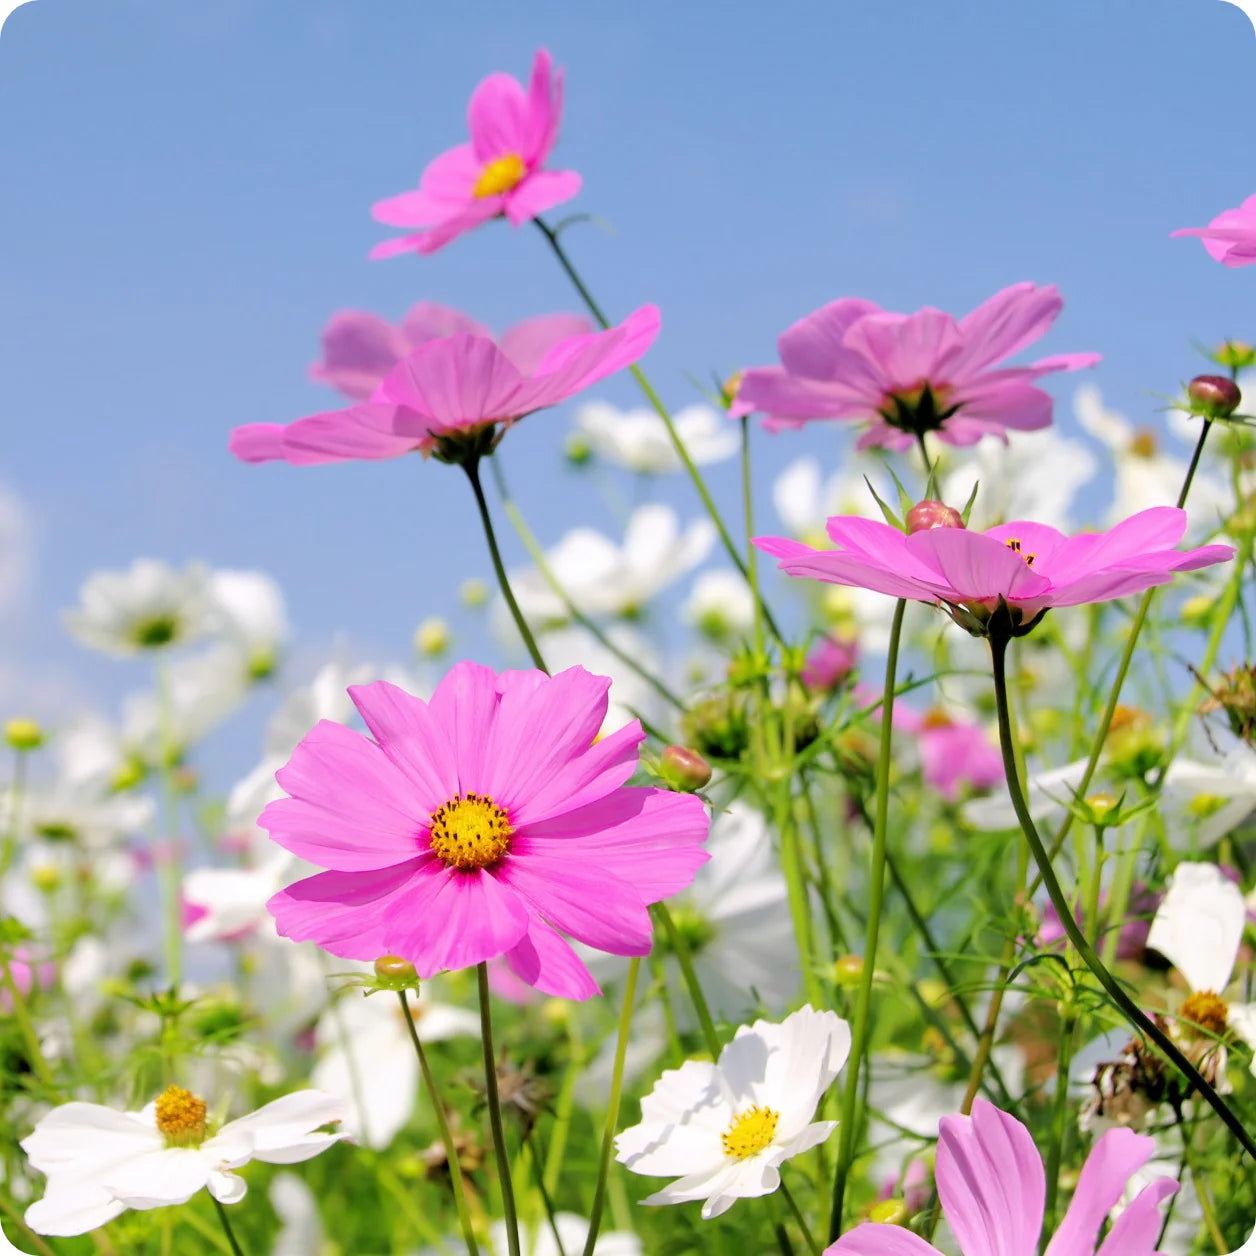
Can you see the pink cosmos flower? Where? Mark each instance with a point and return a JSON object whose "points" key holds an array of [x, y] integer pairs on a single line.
{"points": [[992, 1187], [359, 348], [1230, 237], [905, 374], [952, 752], [1029, 566], [488, 821], [830, 662], [501, 171], [455, 386]]}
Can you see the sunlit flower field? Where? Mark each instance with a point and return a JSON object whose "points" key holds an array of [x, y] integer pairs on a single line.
{"points": [[860, 862]]}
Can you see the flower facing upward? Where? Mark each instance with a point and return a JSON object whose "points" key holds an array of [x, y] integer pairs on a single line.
{"points": [[908, 374], [453, 392], [992, 1187], [100, 1162], [479, 824], [501, 171], [359, 348], [1230, 237], [726, 1127], [1028, 566]]}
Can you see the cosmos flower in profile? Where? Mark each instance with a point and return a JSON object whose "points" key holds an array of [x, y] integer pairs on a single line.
{"points": [[500, 172], [1230, 237], [908, 375]]}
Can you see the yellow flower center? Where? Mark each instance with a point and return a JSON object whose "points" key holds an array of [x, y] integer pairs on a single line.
{"points": [[1207, 1011], [1144, 443], [502, 174], [181, 1117], [470, 832], [749, 1132], [1013, 543]]}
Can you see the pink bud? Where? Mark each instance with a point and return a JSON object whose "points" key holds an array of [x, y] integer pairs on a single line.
{"points": [[1213, 396], [929, 514]]}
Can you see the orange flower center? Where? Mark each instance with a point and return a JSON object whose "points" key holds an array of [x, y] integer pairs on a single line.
{"points": [[502, 174], [1207, 1011], [1144, 443], [470, 832], [181, 1117], [749, 1132]]}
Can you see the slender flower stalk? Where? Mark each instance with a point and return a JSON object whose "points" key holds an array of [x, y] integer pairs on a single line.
{"points": [[1137, 1018], [26, 1028], [876, 891], [169, 877], [8, 843], [446, 1133], [236, 1249], [495, 1114], [612, 1104], [684, 960], [812, 1246], [1060, 1123]]}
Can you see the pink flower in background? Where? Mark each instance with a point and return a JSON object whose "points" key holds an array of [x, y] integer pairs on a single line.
{"points": [[501, 171], [28, 974], [992, 1187], [485, 822], [1230, 237], [1029, 566], [1134, 928], [830, 662], [905, 374], [453, 386], [953, 752], [359, 348]]}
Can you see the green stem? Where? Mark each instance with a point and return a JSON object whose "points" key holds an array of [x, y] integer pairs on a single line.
{"points": [[446, 1132], [25, 1026], [472, 468], [661, 410], [612, 1105], [687, 971], [807, 1236], [876, 892], [236, 1249], [8, 844], [1059, 1119], [1136, 1017], [495, 1115], [168, 874]]}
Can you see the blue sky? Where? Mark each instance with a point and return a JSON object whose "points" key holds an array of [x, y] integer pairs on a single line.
{"points": [[186, 201]]}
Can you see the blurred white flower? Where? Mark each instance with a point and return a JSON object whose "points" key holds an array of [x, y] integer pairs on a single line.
{"points": [[724, 1128], [147, 607], [573, 1232], [804, 500], [82, 813], [301, 1228], [637, 440], [224, 903], [249, 614], [720, 605]]}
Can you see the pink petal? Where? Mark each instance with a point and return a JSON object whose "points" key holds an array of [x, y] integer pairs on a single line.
{"points": [[991, 1182], [364, 431], [1038, 539], [457, 381], [447, 183], [527, 343], [815, 348], [871, 1239], [774, 391], [1008, 403], [977, 567], [1137, 1229], [1006, 322], [359, 349], [538, 192], [904, 350], [1159, 528], [862, 573], [547, 963], [429, 320], [258, 442], [412, 739], [464, 705], [497, 118], [545, 107]]}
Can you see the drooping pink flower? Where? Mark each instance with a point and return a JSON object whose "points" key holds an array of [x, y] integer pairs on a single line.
{"points": [[905, 374], [1230, 237], [487, 821], [500, 172], [953, 752], [993, 1187], [454, 387], [360, 348], [1028, 566]]}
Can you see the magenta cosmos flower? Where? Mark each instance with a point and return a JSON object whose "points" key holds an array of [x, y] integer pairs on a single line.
{"points": [[1230, 237], [487, 821], [501, 171], [909, 374], [360, 348], [454, 388], [992, 1188], [953, 752], [1028, 566]]}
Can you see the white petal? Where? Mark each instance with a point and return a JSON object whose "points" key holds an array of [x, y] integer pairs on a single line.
{"points": [[227, 1187], [669, 1150], [86, 1137], [1199, 925], [170, 1176], [282, 1131], [72, 1208]]}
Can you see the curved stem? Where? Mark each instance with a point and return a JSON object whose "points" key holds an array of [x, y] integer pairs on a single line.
{"points": [[876, 891], [472, 468], [685, 960], [1137, 1018], [661, 410], [446, 1132], [612, 1104], [236, 1249], [807, 1237], [495, 1114]]}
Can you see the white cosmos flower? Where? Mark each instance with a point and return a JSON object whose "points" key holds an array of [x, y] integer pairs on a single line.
{"points": [[301, 1232], [603, 578], [573, 1231], [250, 616], [804, 499], [1198, 928], [228, 902], [100, 1162], [726, 1127], [637, 440], [147, 607], [368, 1060], [720, 605]]}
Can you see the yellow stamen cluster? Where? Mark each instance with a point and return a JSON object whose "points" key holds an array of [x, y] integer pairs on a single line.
{"points": [[502, 174], [1144, 443], [181, 1117], [470, 832], [1013, 543], [750, 1132], [1207, 1011]]}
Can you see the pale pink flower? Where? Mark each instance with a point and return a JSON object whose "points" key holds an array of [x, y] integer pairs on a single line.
{"points": [[454, 388], [909, 374], [360, 348], [485, 822], [953, 752], [500, 172], [829, 662], [992, 1187], [1230, 237]]}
